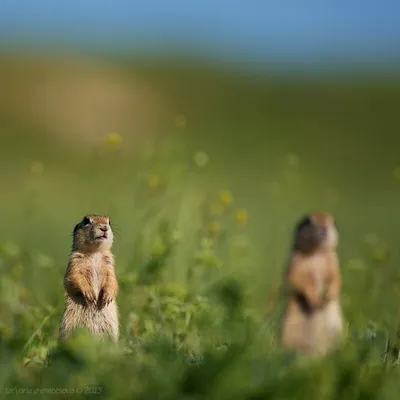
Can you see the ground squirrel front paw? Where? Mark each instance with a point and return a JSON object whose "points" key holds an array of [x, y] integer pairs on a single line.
{"points": [[314, 299], [105, 298], [89, 296]]}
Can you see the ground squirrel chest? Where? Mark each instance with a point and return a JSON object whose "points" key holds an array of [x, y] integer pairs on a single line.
{"points": [[318, 267], [96, 262]]}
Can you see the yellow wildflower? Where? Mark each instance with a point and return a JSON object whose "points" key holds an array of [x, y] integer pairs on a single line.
{"points": [[113, 140], [380, 253], [153, 181], [225, 197], [214, 227], [241, 216], [24, 293]]}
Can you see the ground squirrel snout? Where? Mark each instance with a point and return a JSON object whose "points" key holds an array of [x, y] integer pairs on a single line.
{"points": [[90, 282], [312, 322]]}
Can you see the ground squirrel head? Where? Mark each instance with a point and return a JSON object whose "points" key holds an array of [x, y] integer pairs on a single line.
{"points": [[315, 231], [93, 233]]}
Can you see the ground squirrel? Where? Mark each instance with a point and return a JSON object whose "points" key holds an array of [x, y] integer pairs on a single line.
{"points": [[312, 322], [90, 283]]}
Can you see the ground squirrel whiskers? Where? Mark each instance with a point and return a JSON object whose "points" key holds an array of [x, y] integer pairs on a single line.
{"points": [[312, 321], [90, 283]]}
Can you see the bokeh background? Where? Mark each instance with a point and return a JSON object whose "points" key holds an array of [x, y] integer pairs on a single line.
{"points": [[222, 123]]}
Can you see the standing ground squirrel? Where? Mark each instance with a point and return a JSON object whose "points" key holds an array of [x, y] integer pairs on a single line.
{"points": [[312, 322], [90, 283]]}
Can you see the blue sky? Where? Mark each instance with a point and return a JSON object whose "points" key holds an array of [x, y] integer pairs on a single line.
{"points": [[253, 29]]}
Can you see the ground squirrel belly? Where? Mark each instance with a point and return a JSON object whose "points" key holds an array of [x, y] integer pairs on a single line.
{"points": [[90, 283], [312, 322]]}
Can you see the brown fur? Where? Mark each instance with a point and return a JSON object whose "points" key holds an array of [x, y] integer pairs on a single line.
{"points": [[90, 283], [312, 322]]}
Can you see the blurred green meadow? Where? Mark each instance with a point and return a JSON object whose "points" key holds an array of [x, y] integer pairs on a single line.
{"points": [[203, 174]]}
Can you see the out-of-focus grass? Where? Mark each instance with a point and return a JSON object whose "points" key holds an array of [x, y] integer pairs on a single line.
{"points": [[203, 214]]}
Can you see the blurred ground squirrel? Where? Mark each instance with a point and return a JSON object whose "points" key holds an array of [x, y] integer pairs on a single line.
{"points": [[90, 283], [312, 322]]}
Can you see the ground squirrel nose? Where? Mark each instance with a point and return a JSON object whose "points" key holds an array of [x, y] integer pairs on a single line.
{"points": [[104, 228]]}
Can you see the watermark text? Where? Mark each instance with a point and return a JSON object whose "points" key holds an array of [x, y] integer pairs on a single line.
{"points": [[86, 390]]}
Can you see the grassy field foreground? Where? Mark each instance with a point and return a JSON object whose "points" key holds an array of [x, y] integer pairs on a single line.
{"points": [[203, 215]]}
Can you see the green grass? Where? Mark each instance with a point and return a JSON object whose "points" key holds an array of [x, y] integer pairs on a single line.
{"points": [[200, 248]]}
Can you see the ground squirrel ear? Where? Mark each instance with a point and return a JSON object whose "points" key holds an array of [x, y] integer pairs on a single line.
{"points": [[85, 221], [304, 222]]}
